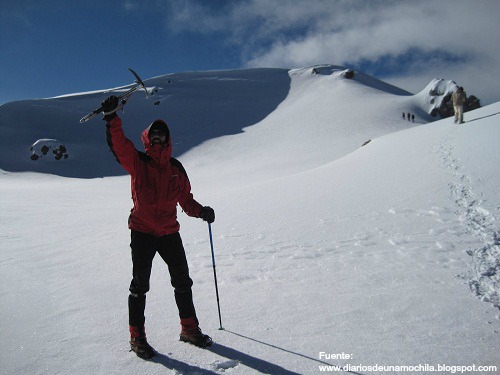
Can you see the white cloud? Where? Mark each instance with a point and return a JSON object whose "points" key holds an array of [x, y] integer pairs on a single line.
{"points": [[293, 33]]}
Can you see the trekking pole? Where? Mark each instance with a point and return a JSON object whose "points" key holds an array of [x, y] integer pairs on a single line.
{"points": [[215, 274]]}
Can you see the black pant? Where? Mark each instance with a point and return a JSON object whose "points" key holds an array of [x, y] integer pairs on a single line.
{"points": [[144, 247]]}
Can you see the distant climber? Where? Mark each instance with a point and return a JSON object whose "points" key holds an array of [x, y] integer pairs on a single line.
{"points": [[459, 99]]}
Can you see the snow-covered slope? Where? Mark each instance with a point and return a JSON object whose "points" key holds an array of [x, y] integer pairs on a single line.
{"points": [[324, 117], [374, 254], [198, 106]]}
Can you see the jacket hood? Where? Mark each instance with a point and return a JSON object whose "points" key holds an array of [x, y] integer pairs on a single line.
{"points": [[161, 153]]}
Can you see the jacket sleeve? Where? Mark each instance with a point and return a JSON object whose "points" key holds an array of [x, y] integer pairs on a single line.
{"points": [[189, 205], [123, 148]]}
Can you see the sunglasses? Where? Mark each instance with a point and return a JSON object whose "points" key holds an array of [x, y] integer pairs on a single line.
{"points": [[158, 132]]}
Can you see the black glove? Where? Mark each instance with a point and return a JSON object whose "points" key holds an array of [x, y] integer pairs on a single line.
{"points": [[207, 214], [109, 107]]}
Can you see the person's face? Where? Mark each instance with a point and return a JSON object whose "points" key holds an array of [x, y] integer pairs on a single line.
{"points": [[157, 136]]}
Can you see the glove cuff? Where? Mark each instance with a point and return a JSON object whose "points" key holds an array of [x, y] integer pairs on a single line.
{"points": [[109, 116]]}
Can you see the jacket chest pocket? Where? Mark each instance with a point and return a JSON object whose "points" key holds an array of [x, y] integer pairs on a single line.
{"points": [[146, 190]]}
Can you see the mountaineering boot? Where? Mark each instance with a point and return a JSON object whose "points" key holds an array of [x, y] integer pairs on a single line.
{"points": [[192, 334], [139, 343]]}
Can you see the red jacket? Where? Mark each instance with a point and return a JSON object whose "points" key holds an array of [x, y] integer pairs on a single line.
{"points": [[158, 181]]}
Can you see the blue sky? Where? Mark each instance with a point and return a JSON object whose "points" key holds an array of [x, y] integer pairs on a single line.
{"points": [[51, 47]]}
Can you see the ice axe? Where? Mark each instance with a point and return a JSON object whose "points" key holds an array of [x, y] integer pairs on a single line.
{"points": [[122, 99]]}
